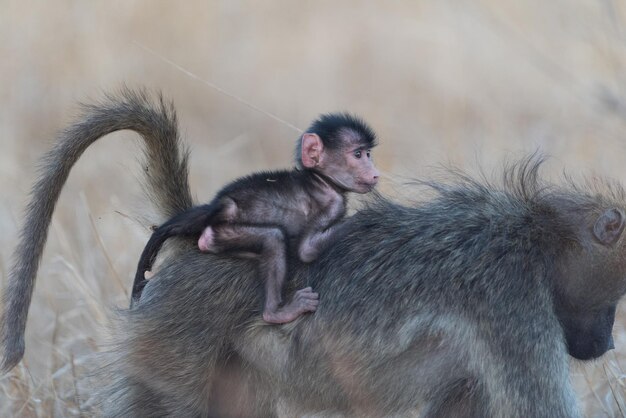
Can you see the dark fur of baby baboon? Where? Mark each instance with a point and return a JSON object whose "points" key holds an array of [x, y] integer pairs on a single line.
{"points": [[269, 214], [465, 305]]}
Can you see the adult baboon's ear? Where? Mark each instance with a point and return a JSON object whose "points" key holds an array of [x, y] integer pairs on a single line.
{"points": [[312, 147], [609, 226]]}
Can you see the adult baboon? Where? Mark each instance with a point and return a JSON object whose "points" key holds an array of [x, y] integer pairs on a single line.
{"points": [[465, 305]]}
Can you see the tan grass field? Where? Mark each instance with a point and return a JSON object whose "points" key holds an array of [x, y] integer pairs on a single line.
{"points": [[464, 82]]}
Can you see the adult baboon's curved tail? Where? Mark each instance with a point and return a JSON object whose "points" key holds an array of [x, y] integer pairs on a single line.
{"points": [[166, 182]]}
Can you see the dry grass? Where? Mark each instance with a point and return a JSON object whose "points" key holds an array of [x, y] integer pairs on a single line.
{"points": [[440, 80]]}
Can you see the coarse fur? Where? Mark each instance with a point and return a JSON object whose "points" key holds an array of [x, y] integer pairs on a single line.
{"points": [[465, 305], [450, 307]]}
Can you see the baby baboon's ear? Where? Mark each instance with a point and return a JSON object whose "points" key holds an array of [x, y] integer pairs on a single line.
{"points": [[609, 226], [312, 147]]}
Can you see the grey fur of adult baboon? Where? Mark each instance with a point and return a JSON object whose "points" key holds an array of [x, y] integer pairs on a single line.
{"points": [[166, 184], [466, 305]]}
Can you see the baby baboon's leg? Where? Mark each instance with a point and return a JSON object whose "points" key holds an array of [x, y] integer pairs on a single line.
{"points": [[269, 244]]}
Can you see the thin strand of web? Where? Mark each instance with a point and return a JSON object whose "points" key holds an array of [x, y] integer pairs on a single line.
{"points": [[217, 88]]}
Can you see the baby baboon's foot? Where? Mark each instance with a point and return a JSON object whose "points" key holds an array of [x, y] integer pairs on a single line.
{"points": [[206, 242], [304, 300], [148, 274]]}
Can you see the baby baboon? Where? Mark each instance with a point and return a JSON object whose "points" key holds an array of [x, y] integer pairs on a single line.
{"points": [[260, 213]]}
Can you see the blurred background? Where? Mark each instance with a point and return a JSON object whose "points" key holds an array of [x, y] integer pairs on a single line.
{"points": [[469, 83]]}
